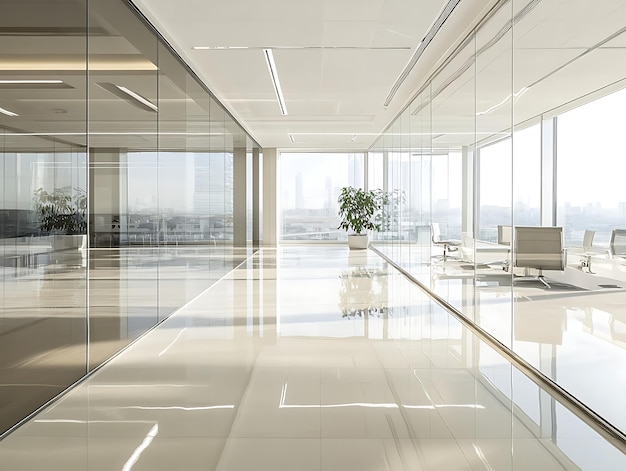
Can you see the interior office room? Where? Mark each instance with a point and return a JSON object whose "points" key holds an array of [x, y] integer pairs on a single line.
{"points": [[175, 288]]}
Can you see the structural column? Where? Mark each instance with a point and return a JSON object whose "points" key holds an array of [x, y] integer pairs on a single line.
{"points": [[240, 198], [270, 201], [256, 198], [548, 173], [467, 188], [108, 198]]}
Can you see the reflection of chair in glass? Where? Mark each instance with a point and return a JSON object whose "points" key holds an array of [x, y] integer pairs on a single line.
{"points": [[505, 237], [617, 247], [586, 251], [449, 245], [505, 234], [588, 239], [540, 248]]}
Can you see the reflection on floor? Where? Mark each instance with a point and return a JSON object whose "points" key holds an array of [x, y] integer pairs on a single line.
{"points": [[574, 332], [61, 316], [308, 358]]}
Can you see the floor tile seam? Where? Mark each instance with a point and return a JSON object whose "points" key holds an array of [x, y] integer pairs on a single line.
{"points": [[181, 309]]}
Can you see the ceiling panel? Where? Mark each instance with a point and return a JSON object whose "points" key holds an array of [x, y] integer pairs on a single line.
{"points": [[356, 49]]}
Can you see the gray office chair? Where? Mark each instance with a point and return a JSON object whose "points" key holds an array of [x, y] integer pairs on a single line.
{"points": [[617, 247], [449, 245], [540, 248]]}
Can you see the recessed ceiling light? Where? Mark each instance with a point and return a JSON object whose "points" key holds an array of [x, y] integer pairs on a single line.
{"points": [[218, 48], [7, 112], [506, 101], [139, 98], [29, 81], [129, 95], [33, 84], [269, 58], [368, 48]]}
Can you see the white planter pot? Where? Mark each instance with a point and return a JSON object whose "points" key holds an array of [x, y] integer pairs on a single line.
{"points": [[358, 241], [68, 241]]}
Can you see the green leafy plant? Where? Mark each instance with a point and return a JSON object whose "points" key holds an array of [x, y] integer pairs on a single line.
{"points": [[361, 210], [358, 209], [62, 211]]}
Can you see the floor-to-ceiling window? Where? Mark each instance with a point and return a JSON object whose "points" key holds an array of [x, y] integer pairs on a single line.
{"points": [[310, 184], [591, 166]]}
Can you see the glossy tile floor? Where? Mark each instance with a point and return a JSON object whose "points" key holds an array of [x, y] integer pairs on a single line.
{"points": [[308, 358], [61, 316]]}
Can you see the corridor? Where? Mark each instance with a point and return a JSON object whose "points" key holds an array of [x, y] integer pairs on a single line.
{"points": [[308, 358]]}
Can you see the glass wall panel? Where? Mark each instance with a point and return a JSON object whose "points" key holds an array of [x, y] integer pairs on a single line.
{"points": [[43, 188], [116, 201], [123, 125], [310, 185], [496, 159], [229, 182], [494, 154], [394, 184], [183, 141], [527, 176], [374, 169], [423, 162], [452, 129], [494, 104], [495, 176]]}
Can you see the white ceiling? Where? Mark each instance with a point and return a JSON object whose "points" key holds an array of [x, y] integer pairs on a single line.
{"points": [[344, 59], [337, 60]]}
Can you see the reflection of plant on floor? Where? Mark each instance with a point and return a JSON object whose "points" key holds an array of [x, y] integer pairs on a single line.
{"points": [[62, 211], [363, 291]]}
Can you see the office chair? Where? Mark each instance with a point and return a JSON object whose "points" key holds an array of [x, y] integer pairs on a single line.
{"points": [[449, 245], [540, 248], [505, 233], [617, 247], [588, 251]]}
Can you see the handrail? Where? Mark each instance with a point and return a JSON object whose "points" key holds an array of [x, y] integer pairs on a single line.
{"points": [[598, 423]]}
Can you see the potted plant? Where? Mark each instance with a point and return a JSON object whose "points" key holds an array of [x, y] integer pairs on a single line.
{"points": [[361, 211], [62, 213]]}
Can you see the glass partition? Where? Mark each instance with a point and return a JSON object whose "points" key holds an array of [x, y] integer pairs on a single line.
{"points": [[116, 201], [43, 172], [519, 127]]}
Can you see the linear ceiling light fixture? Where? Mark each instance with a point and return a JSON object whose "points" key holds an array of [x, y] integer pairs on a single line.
{"points": [[129, 96], [269, 58], [507, 100], [292, 139], [33, 84], [218, 48], [7, 112], [138, 97], [445, 14], [364, 48], [29, 81]]}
